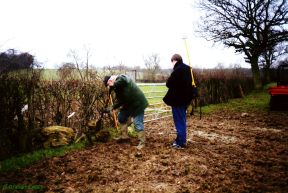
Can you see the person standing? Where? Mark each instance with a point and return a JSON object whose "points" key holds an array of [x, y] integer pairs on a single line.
{"points": [[132, 103], [179, 96]]}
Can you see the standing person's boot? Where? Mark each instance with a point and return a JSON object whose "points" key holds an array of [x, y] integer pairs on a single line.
{"points": [[141, 137], [123, 134]]}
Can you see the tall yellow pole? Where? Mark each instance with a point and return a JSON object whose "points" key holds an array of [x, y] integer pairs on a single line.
{"points": [[185, 42]]}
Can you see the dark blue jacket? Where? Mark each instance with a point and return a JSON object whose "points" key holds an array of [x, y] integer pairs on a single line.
{"points": [[179, 86]]}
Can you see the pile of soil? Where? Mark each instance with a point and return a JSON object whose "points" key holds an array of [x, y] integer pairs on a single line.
{"points": [[226, 152]]}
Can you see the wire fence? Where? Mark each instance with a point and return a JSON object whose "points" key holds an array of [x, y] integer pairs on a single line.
{"points": [[157, 109]]}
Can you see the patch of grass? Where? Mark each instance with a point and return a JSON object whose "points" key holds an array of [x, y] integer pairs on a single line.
{"points": [[116, 133], [113, 132], [21, 161], [255, 101], [131, 131], [154, 93]]}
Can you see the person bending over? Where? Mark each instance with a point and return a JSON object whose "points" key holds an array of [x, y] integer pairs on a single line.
{"points": [[132, 103]]}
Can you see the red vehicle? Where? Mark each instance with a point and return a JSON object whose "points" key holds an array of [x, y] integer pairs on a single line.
{"points": [[279, 93]]}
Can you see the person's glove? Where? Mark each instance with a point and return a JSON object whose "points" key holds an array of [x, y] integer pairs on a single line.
{"points": [[107, 110]]}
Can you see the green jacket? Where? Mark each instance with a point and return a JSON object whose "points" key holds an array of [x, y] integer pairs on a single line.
{"points": [[129, 95]]}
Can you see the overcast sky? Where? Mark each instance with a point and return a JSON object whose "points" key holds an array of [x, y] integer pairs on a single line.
{"points": [[115, 31]]}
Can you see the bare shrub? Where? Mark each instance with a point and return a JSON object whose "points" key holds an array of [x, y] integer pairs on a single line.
{"points": [[19, 81]]}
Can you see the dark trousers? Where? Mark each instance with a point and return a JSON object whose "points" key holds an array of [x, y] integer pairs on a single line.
{"points": [[179, 117]]}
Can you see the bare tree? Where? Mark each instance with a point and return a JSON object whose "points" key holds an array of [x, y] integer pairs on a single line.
{"points": [[121, 68], [66, 71], [152, 66], [82, 65], [249, 26], [269, 57], [108, 69], [77, 62]]}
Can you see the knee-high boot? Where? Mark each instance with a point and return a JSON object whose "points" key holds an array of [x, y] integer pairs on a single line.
{"points": [[123, 133], [141, 137]]}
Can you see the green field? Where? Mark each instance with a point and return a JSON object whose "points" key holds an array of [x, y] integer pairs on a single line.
{"points": [[154, 92], [255, 101], [49, 74]]}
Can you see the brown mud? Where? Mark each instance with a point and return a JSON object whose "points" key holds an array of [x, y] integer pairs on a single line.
{"points": [[226, 152]]}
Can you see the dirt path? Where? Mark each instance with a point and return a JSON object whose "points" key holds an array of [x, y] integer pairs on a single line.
{"points": [[227, 152]]}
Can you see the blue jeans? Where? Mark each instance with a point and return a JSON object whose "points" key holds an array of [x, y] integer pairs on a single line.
{"points": [[138, 120], [179, 117]]}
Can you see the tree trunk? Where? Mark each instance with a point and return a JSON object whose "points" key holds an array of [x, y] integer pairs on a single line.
{"points": [[267, 67], [256, 73], [266, 74]]}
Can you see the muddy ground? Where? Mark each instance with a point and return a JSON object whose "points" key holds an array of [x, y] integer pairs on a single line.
{"points": [[226, 152]]}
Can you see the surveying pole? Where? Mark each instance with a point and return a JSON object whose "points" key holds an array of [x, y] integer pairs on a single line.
{"points": [[187, 52]]}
